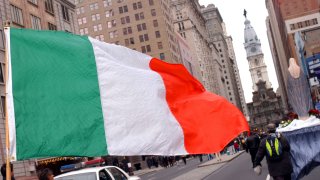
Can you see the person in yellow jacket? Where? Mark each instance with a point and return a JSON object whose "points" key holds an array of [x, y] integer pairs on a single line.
{"points": [[277, 151]]}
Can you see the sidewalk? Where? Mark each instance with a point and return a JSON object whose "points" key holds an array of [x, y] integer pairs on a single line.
{"points": [[224, 158], [207, 168]]}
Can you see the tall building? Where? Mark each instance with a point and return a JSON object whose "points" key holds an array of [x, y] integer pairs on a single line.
{"points": [[266, 105], [44, 14], [145, 25], [190, 24], [230, 73], [232, 56], [35, 14], [255, 57], [293, 31]]}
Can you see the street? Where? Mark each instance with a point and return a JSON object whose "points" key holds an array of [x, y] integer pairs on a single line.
{"points": [[239, 168]]}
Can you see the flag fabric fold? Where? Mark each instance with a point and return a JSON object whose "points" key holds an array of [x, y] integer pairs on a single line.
{"points": [[71, 95]]}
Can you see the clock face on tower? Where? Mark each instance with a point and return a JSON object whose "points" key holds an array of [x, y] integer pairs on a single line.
{"points": [[253, 49]]}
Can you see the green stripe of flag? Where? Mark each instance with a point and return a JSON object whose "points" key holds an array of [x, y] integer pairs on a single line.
{"points": [[56, 95]]}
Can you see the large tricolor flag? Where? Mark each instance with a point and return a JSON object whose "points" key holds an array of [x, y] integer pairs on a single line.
{"points": [[71, 95]]}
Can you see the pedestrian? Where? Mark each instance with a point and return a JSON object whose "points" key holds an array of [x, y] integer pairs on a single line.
{"points": [[236, 146], [184, 159], [115, 161], [252, 145], [149, 162], [200, 157], [276, 148], [4, 172], [125, 164], [218, 156], [45, 174]]}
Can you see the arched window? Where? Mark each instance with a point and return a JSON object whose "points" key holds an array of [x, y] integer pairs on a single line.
{"points": [[259, 74], [256, 61]]}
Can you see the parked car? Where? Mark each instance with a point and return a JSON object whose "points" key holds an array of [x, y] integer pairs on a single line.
{"points": [[97, 173]]}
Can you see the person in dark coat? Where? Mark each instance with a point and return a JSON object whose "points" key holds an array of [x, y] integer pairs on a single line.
{"points": [[252, 145], [4, 172], [45, 174], [279, 169]]}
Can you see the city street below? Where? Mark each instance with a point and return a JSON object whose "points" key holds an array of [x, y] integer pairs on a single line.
{"points": [[240, 168]]}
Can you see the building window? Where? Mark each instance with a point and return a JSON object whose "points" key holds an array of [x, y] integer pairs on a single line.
{"points": [[144, 37], [1, 40], [160, 45], [307, 23], [33, 2], [109, 13], [125, 20], [259, 74], [123, 9], [143, 49], [315, 21], [52, 27], [139, 16], [153, 12], [113, 34], [65, 13], [16, 15], [292, 26], [95, 17], [151, 2], [141, 27], [112, 23], [157, 34], [107, 3], [148, 48], [1, 73], [131, 41], [137, 5], [127, 30], [162, 57], [155, 23], [94, 6], [126, 42], [99, 27], [82, 21], [49, 6], [3, 102], [35, 22]]}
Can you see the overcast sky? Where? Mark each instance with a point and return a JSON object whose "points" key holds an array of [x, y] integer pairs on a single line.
{"points": [[232, 14]]}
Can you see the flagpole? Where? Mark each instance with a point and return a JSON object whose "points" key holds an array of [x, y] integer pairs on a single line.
{"points": [[8, 167]]}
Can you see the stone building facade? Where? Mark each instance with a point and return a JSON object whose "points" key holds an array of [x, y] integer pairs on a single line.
{"points": [[230, 74], [190, 24], [266, 107], [145, 26]]}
